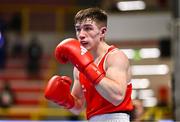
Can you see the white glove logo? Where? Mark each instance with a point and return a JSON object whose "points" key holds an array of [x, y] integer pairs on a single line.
{"points": [[83, 50]]}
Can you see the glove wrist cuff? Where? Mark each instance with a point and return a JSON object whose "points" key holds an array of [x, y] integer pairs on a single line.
{"points": [[94, 74]]}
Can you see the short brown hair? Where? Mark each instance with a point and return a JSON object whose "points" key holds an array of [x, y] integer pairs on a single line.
{"points": [[96, 14]]}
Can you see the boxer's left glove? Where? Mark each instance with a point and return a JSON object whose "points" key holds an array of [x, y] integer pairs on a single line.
{"points": [[71, 50], [58, 91]]}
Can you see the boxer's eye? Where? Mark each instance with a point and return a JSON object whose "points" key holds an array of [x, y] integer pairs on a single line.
{"points": [[87, 28], [78, 29]]}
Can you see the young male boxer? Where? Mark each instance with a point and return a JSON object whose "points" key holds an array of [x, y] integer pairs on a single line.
{"points": [[101, 72]]}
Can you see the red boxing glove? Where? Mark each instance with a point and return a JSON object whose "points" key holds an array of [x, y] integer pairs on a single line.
{"points": [[58, 91], [71, 50]]}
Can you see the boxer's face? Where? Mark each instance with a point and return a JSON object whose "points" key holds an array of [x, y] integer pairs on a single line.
{"points": [[89, 33]]}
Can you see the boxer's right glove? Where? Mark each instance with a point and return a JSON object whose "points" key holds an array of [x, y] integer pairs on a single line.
{"points": [[71, 50], [58, 91]]}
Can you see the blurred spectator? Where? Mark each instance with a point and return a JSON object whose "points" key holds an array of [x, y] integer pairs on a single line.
{"points": [[163, 96], [138, 111], [3, 44], [35, 52], [17, 47], [7, 96]]}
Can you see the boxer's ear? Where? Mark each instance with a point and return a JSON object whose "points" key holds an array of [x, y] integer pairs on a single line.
{"points": [[103, 31]]}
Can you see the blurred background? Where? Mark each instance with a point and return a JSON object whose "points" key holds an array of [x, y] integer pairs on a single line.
{"points": [[146, 30]]}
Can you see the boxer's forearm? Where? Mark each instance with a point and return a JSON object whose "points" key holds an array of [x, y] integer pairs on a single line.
{"points": [[78, 106], [110, 91]]}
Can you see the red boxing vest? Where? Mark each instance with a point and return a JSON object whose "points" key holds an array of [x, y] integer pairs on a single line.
{"points": [[95, 103]]}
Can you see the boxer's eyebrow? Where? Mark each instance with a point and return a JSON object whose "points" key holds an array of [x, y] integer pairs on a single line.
{"points": [[83, 25]]}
